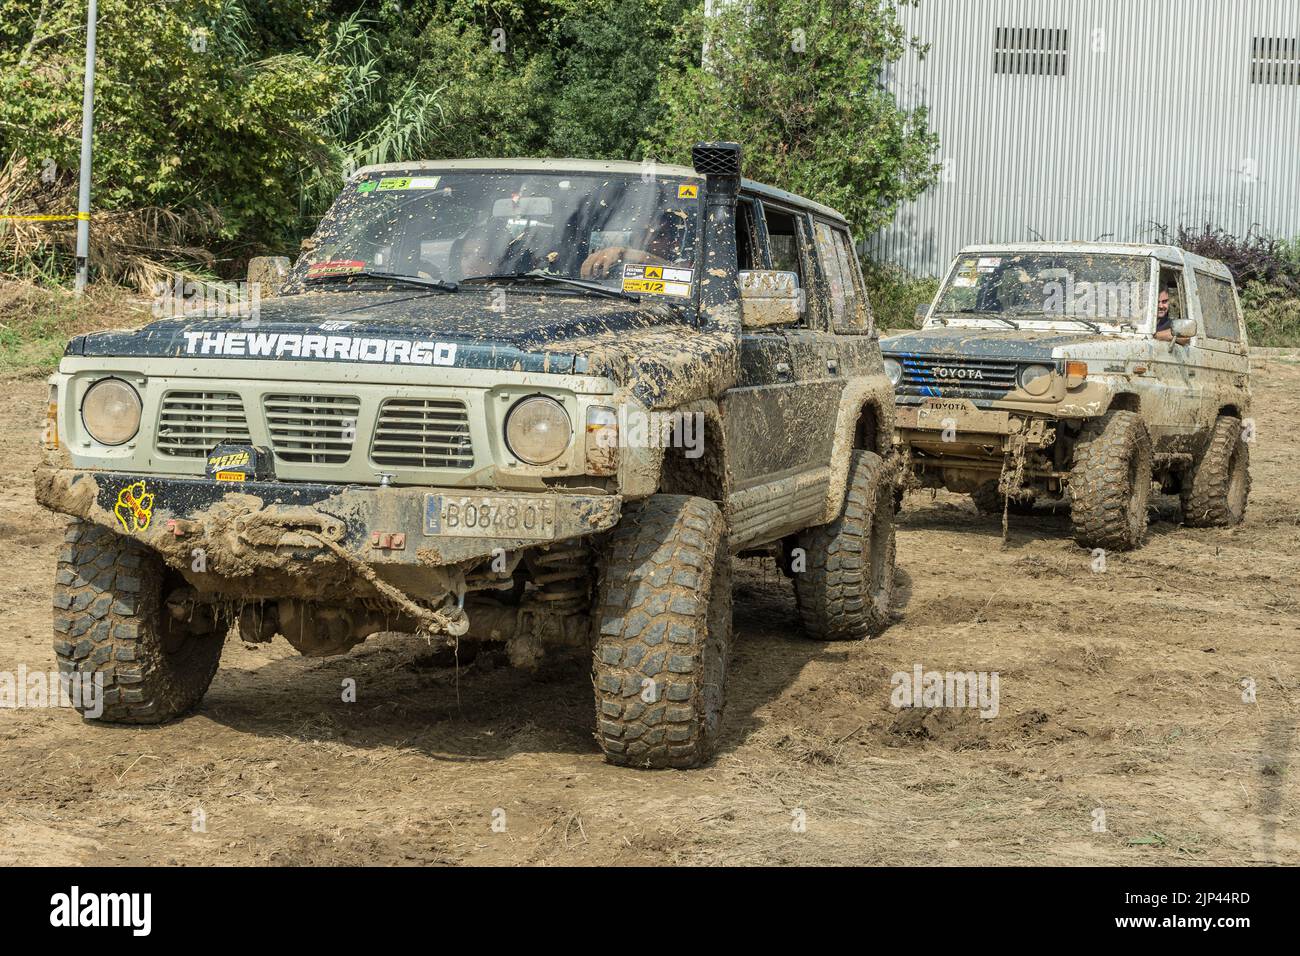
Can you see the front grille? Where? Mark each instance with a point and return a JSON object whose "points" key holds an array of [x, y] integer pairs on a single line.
{"points": [[312, 429], [191, 424], [422, 433], [940, 376]]}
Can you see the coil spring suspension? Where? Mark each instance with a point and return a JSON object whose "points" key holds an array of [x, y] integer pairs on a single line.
{"points": [[562, 577]]}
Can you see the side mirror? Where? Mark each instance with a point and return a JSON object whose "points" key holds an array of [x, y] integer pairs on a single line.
{"points": [[268, 273], [1184, 328], [769, 297]]}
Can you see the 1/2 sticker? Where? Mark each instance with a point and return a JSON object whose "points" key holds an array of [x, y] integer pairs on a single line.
{"points": [[656, 280]]}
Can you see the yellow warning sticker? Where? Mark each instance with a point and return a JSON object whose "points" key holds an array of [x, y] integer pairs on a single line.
{"points": [[688, 192], [656, 280]]}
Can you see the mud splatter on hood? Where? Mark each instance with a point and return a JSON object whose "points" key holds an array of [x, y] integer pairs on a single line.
{"points": [[522, 330], [1024, 345]]}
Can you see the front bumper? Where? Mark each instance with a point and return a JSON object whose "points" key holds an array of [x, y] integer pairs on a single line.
{"points": [[957, 429], [242, 528]]}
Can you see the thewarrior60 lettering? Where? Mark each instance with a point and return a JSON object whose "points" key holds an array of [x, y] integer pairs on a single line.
{"points": [[337, 347]]}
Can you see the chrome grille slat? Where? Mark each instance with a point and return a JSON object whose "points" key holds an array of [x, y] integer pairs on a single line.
{"points": [[191, 424], [312, 429], [422, 433], [965, 376]]}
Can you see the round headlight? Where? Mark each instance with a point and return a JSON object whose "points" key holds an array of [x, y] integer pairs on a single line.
{"points": [[538, 430], [1036, 379], [894, 370], [111, 411]]}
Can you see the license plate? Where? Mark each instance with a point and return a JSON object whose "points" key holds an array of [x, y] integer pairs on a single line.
{"points": [[483, 516]]}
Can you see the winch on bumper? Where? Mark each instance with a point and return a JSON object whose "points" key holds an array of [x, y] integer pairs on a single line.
{"points": [[954, 444], [270, 539], [958, 429]]}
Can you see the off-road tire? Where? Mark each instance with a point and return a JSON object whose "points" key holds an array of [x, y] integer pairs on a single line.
{"points": [[988, 500], [662, 622], [1110, 483], [846, 588], [108, 620], [1215, 493]]}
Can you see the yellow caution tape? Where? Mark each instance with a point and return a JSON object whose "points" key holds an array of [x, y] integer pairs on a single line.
{"points": [[80, 215]]}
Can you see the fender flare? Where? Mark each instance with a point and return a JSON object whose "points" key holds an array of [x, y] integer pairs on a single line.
{"points": [[858, 396]]}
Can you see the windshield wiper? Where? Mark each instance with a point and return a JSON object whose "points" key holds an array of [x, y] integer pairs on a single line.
{"points": [[395, 277], [539, 276], [1074, 318], [991, 315]]}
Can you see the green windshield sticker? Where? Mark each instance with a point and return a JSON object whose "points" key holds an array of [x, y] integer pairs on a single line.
{"points": [[389, 183], [367, 187]]}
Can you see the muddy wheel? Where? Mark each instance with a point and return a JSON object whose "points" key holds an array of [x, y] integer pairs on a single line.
{"points": [[662, 619], [988, 501], [109, 620], [1110, 482], [845, 590], [1214, 494]]}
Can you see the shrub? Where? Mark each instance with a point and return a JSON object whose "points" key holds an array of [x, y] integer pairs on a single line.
{"points": [[895, 293], [1272, 314]]}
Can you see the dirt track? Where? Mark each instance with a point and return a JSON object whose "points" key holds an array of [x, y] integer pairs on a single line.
{"points": [[1119, 691]]}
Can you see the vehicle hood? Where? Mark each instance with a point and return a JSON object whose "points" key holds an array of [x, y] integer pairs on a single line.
{"points": [[652, 347], [526, 331], [1025, 345]]}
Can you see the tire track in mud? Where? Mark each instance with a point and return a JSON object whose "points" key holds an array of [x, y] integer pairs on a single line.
{"points": [[1121, 692]]}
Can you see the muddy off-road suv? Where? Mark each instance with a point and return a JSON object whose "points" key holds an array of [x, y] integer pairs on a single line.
{"points": [[530, 402], [1082, 371]]}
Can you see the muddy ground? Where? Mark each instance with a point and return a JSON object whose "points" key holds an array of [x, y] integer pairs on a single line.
{"points": [[1121, 692]]}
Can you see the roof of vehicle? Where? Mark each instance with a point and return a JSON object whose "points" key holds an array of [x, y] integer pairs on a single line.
{"points": [[622, 167], [1166, 253]]}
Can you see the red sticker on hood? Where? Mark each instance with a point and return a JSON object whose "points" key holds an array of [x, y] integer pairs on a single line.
{"points": [[335, 267]]}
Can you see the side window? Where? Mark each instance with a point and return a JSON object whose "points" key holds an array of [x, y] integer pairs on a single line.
{"points": [[832, 267], [783, 241], [746, 251], [1218, 307], [855, 292], [789, 246]]}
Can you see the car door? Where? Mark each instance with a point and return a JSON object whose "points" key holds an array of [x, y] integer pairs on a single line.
{"points": [[764, 414], [1171, 400], [1220, 357]]}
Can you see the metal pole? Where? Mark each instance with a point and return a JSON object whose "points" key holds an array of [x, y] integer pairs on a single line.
{"points": [[87, 123]]}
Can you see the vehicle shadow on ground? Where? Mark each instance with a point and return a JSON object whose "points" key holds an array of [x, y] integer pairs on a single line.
{"points": [[485, 710], [1050, 520]]}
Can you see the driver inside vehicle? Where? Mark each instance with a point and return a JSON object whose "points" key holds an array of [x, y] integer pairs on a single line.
{"points": [[659, 245], [1165, 320]]}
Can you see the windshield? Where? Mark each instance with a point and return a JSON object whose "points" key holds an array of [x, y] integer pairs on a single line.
{"points": [[616, 230], [1047, 287]]}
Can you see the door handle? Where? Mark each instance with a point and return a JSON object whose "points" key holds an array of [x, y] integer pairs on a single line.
{"points": [[832, 365], [783, 369]]}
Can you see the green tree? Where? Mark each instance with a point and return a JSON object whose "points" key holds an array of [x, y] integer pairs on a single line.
{"points": [[198, 104], [798, 84]]}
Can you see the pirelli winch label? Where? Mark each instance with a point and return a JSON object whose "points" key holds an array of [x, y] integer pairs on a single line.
{"points": [[341, 348]]}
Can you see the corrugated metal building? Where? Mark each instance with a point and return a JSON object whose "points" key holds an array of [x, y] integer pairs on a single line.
{"points": [[1087, 119]]}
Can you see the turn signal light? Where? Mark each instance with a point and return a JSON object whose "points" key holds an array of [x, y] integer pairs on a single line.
{"points": [[602, 441], [1076, 373]]}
